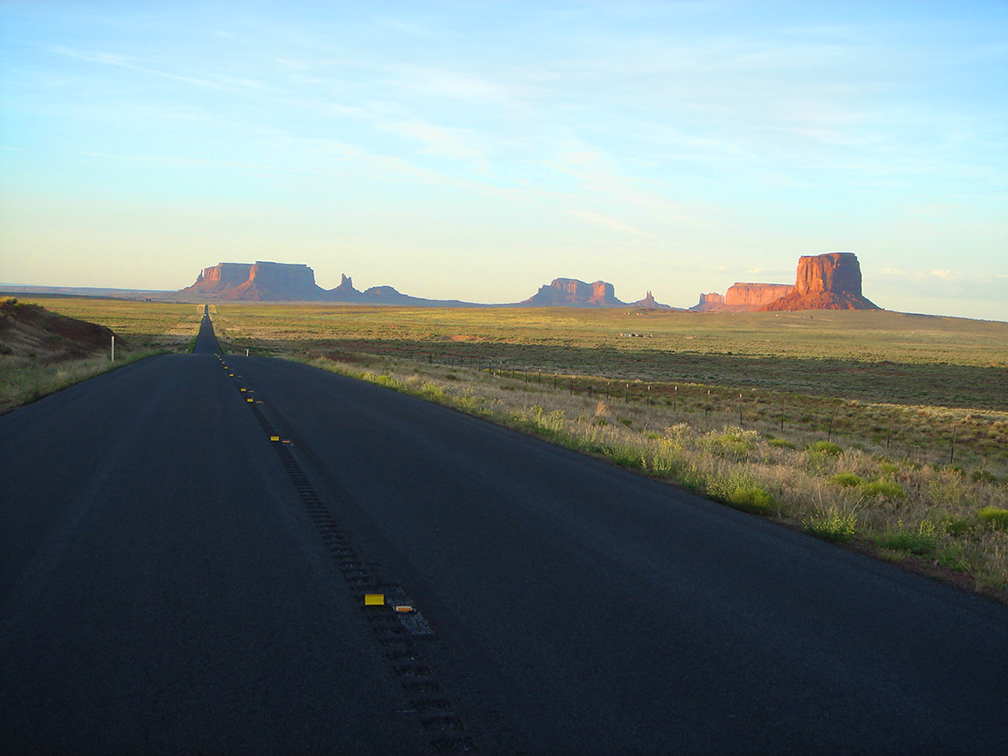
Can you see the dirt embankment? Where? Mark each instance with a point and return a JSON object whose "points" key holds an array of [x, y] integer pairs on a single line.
{"points": [[28, 330]]}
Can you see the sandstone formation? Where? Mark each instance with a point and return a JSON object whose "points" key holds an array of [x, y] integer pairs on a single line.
{"points": [[742, 297], [649, 303], [752, 296], [825, 282], [384, 295], [570, 292], [709, 302], [283, 282], [220, 280], [263, 281]]}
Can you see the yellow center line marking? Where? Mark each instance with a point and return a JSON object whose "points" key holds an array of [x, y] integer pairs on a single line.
{"points": [[374, 599]]}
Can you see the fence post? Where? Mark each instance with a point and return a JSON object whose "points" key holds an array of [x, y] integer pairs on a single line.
{"points": [[952, 453], [675, 399], [830, 437], [782, 415], [740, 411], [707, 408]]}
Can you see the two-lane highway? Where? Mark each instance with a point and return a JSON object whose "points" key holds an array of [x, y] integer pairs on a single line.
{"points": [[162, 589], [167, 590]]}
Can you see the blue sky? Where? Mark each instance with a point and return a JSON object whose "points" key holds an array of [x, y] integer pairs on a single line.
{"points": [[477, 150]]}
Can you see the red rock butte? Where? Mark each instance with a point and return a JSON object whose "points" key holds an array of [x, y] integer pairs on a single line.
{"points": [[262, 281], [823, 282]]}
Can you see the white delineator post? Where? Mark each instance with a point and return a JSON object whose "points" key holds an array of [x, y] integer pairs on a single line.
{"points": [[113, 347]]}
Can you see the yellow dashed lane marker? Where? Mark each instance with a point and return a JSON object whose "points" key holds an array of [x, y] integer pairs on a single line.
{"points": [[249, 400], [374, 599], [274, 438]]}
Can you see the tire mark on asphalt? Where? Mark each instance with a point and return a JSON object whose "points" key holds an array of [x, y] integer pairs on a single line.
{"points": [[398, 625]]}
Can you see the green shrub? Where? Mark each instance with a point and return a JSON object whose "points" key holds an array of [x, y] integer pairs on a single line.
{"points": [[742, 492], [387, 381], [835, 527], [996, 517], [730, 445], [847, 479], [887, 468], [887, 489], [982, 476], [954, 525], [955, 557], [782, 443], [825, 448], [923, 541]]}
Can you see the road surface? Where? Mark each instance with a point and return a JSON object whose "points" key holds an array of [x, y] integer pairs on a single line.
{"points": [[185, 570]]}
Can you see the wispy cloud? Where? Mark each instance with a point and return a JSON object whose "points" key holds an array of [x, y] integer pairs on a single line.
{"points": [[605, 221], [220, 82], [122, 62], [438, 140]]}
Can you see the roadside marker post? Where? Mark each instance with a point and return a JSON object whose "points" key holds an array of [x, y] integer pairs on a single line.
{"points": [[113, 347]]}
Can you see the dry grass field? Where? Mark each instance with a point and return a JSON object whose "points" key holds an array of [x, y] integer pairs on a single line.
{"points": [[885, 431], [902, 382]]}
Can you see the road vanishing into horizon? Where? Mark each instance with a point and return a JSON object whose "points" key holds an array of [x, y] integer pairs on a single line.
{"points": [[189, 544]]}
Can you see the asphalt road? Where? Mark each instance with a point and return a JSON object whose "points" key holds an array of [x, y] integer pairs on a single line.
{"points": [[170, 584]]}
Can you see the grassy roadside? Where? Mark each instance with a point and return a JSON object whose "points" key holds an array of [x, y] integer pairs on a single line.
{"points": [[23, 382], [931, 389], [933, 519], [145, 329]]}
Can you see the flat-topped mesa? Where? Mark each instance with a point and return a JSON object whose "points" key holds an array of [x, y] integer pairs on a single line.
{"points": [[742, 297], [272, 281], [708, 302], [570, 292], [752, 296], [825, 282], [261, 281], [220, 278]]}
